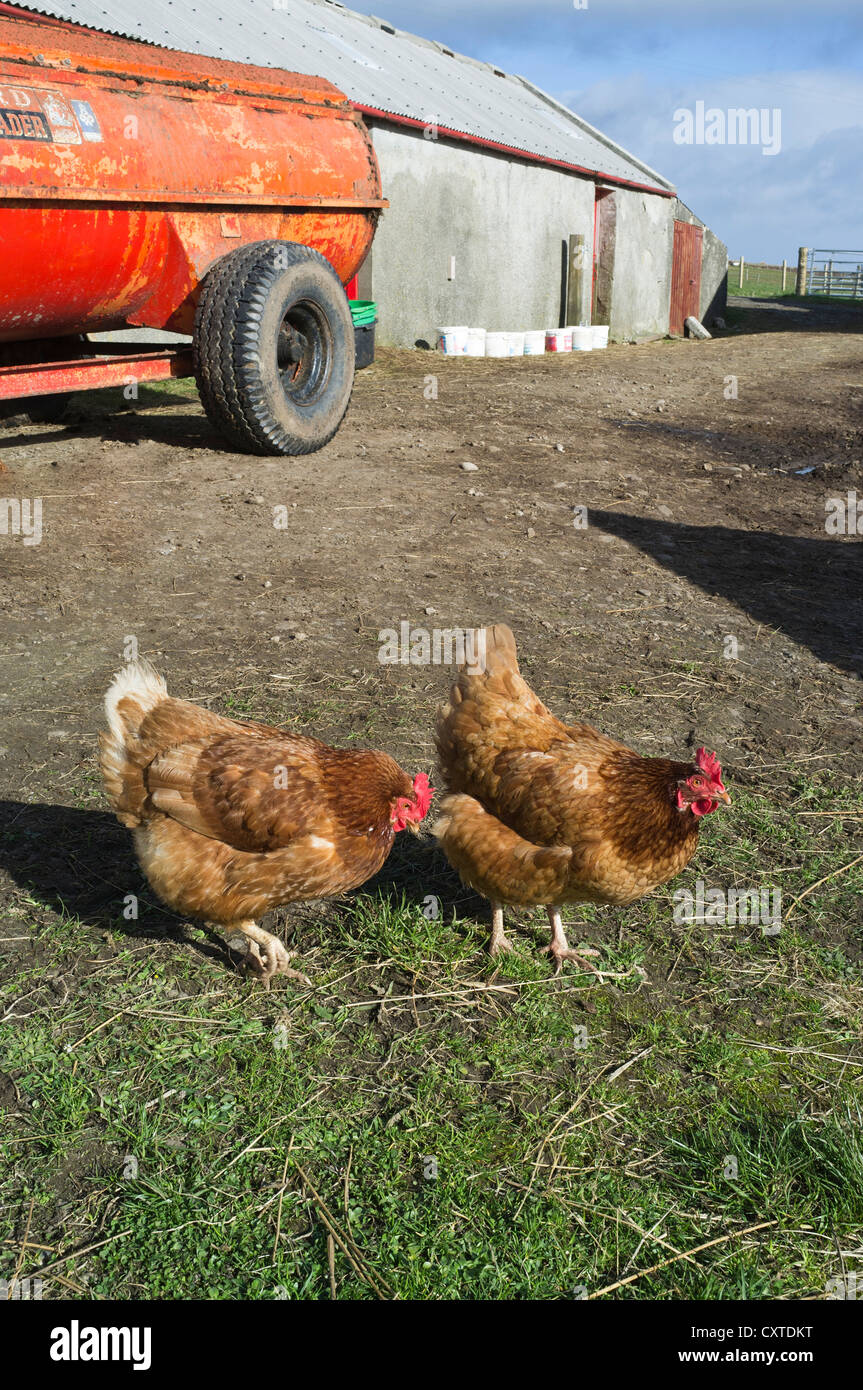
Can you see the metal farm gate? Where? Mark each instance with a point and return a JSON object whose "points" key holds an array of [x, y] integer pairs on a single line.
{"points": [[685, 275], [838, 273]]}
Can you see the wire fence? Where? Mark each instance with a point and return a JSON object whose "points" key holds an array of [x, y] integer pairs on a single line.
{"points": [[760, 280]]}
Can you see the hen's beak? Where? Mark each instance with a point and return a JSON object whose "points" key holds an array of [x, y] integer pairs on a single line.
{"points": [[413, 826], [721, 796]]}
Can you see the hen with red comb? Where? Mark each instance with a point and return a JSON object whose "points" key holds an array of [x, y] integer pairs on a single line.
{"points": [[232, 818], [542, 812]]}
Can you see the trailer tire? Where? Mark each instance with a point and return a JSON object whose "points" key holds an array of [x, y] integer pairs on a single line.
{"points": [[274, 348]]}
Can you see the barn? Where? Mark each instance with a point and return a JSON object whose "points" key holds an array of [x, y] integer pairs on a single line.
{"points": [[507, 210]]}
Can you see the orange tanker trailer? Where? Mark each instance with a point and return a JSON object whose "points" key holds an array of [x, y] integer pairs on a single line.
{"points": [[141, 187]]}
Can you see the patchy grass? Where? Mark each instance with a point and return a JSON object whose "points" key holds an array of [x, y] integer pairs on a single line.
{"points": [[468, 1133]]}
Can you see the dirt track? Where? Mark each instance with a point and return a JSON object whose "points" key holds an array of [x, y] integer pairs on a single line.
{"points": [[699, 528]]}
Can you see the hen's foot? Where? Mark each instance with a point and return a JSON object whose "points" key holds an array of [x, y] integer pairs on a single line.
{"points": [[561, 953], [266, 956], [266, 961], [499, 941], [560, 950]]}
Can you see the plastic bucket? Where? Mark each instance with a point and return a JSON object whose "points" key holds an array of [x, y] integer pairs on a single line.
{"points": [[363, 312], [600, 335], [497, 345], [453, 341], [534, 343], [516, 344], [582, 339], [554, 340], [476, 342], [364, 344]]}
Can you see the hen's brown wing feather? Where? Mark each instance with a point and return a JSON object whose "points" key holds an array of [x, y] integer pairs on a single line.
{"points": [[252, 790]]}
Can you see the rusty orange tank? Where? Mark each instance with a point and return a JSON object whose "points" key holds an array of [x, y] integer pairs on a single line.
{"points": [[141, 187]]}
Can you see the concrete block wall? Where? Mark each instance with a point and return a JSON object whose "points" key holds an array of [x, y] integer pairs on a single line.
{"points": [[507, 223], [641, 290]]}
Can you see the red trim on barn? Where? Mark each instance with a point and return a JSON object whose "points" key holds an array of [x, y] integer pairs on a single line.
{"points": [[480, 141], [485, 144]]}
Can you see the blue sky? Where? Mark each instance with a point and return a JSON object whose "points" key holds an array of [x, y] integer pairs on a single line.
{"points": [[628, 65]]}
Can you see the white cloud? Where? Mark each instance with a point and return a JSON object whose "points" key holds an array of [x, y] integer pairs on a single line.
{"points": [[762, 206]]}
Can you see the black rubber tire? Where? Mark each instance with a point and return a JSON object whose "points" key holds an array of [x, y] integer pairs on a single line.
{"points": [[260, 306]]}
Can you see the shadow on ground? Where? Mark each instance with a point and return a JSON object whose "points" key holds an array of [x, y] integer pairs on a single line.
{"points": [[809, 589], [81, 863], [794, 313]]}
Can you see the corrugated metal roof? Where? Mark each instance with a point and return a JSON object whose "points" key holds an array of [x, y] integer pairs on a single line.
{"points": [[376, 65]]}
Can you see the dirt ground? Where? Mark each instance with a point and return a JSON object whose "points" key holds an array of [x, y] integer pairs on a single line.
{"points": [[702, 525], [703, 602]]}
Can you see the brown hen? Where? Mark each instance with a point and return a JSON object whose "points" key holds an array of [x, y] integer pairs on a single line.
{"points": [[544, 813], [232, 818]]}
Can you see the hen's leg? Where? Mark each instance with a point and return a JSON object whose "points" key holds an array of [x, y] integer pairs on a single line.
{"points": [[560, 949], [265, 953], [499, 941]]}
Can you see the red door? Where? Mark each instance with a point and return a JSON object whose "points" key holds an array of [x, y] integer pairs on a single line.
{"points": [[685, 275]]}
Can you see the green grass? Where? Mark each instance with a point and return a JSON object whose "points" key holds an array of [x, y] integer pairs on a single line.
{"points": [[178, 1113], [761, 281], [765, 282]]}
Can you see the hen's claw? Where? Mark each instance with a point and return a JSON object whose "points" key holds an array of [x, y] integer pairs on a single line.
{"points": [[268, 957], [562, 953], [561, 950]]}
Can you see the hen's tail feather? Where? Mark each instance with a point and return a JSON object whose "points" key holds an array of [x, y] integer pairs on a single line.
{"points": [[491, 676], [496, 648], [134, 692], [138, 688]]}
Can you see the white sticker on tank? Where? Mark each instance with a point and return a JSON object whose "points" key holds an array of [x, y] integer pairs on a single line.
{"points": [[60, 118], [87, 120]]}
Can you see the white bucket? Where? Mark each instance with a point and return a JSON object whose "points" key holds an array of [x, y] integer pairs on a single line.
{"points": [[453, 341], [567, 340], [582, 339], [497, 345], [475, 342], [516, 344], [534, 343], [600, 335]]}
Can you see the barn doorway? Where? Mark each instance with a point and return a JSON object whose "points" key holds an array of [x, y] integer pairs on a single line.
{"points": [[685, 275], [604, 236]]}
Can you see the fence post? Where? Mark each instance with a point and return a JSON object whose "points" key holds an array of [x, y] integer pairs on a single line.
{"points": [[784, 273], [740, 277], [829, 276], [802, 258], [576, 306]]}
